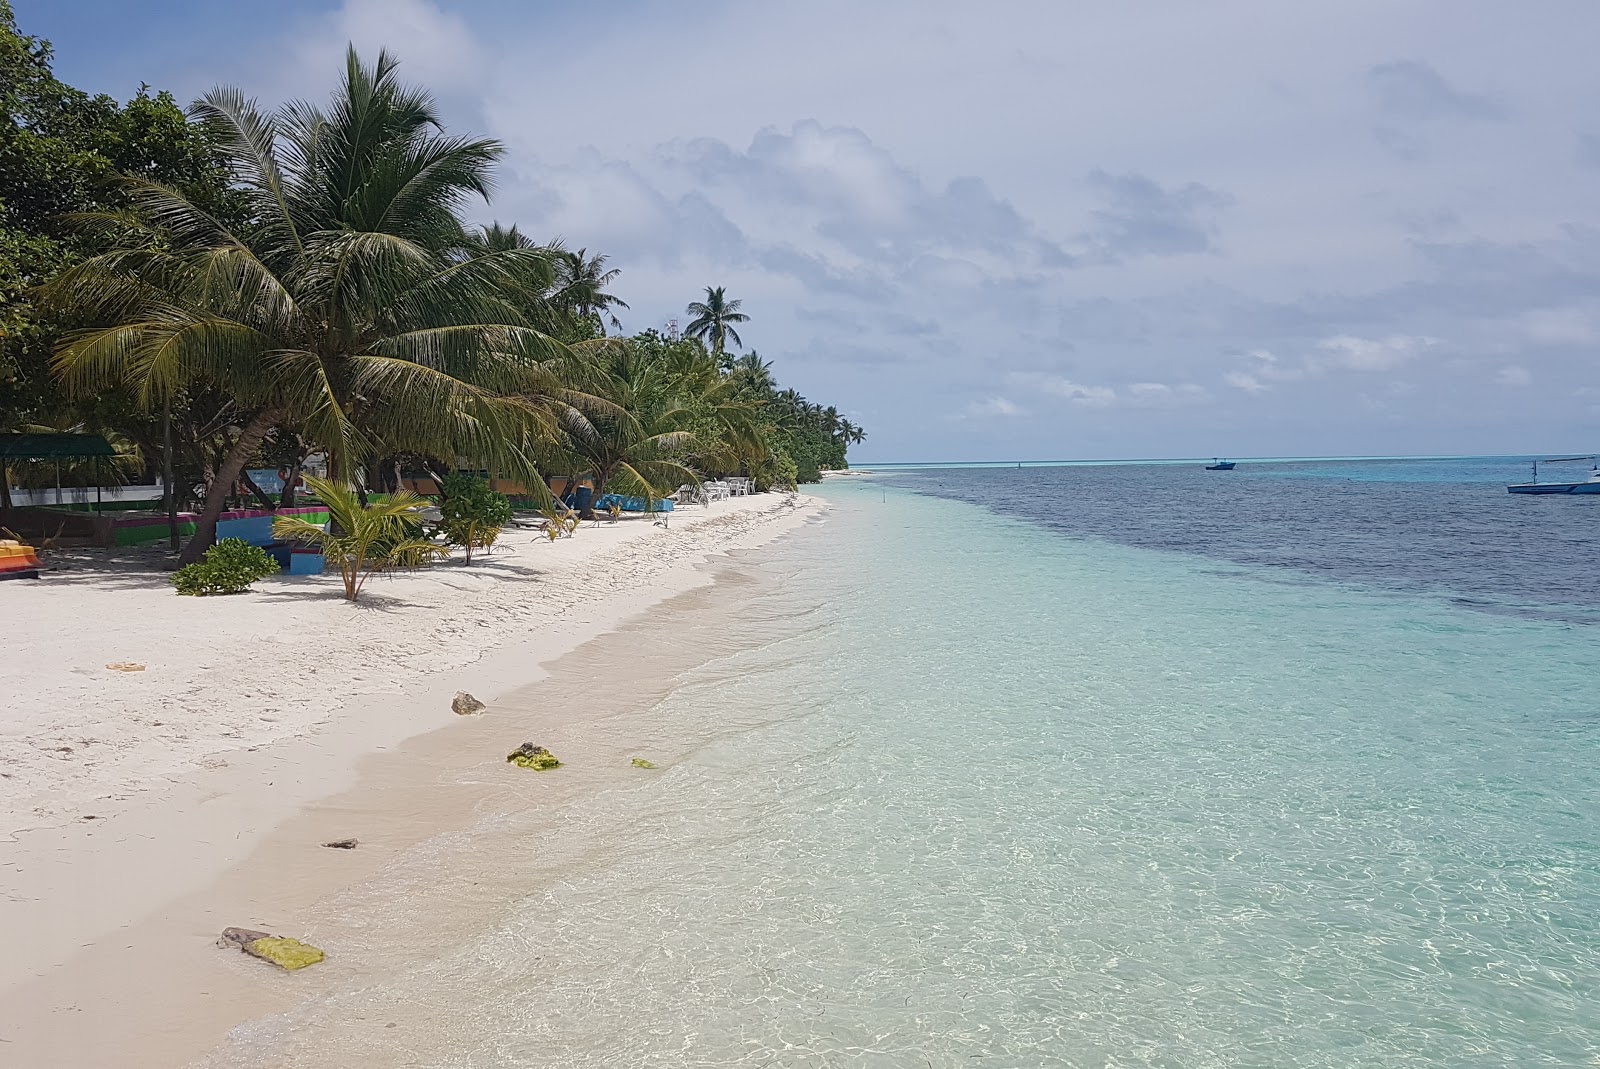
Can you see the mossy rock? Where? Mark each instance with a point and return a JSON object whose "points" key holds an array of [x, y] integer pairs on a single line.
{"points": [[535, 757], [639, 762], [290, 954]]}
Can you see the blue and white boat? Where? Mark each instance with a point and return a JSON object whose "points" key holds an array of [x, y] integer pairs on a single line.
{"points": [[1590, 485], [1218, 464]]}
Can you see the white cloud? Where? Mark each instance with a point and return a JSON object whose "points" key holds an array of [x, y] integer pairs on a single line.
{"points": [[1245, 381], [1162, 395], [1513, 375], [992, 408], [1372, 354]]}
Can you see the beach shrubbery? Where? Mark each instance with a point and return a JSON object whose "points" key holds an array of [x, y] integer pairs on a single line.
{"points": [[229, 567], [472, 514]]}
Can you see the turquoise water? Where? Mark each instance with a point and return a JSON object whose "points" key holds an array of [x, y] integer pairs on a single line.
{"points": [[961, 790]]}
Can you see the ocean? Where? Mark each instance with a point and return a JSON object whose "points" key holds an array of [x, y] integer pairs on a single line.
{"points": [[1291, 766]]}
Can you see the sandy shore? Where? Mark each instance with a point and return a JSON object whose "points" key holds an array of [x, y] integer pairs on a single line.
{"points": [[128, 797]]}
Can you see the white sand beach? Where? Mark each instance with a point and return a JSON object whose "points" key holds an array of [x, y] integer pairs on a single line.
{"points": [[125, 792]]}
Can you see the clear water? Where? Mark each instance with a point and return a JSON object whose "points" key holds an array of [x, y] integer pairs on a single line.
{"points": [[1004, 788]]}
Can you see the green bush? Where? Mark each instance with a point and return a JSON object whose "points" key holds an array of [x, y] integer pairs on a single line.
{"points": [[229, 567], [471, 514], [777, 471]]}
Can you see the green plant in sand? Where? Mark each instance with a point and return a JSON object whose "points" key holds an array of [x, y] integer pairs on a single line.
{"points": [[472, 514], [229, 567], [385, 537], [558, 520]]}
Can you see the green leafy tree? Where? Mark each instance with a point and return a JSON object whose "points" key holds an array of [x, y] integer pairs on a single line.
{"points": [[362, 542], [472, 515], [58, 148], [344, 308]]}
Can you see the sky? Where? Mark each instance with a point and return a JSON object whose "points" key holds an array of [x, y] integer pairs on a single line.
{"points": [[1027, 230]]}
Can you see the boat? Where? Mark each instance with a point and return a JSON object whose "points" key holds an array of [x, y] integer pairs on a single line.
{"points": [[1218, 464], [1590, 485]]}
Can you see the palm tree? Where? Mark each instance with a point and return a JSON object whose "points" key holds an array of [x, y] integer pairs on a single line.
{"points": [[344, 307], [753, 374], [668, 413], [360, 542], [714, 318], [581, 288]]}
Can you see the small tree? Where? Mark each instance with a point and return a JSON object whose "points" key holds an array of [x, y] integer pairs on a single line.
{"points": [[472, 514], [387, 537]]}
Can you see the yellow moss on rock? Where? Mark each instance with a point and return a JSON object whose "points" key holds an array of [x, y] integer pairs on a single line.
{"points": [[535, 757], [290, 954], [639, 762]]}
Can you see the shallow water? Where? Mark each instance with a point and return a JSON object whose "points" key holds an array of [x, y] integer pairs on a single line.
{"points": [[953, 787]]}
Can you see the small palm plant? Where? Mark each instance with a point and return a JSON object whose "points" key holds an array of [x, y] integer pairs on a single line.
{"points": [[385, 537]]}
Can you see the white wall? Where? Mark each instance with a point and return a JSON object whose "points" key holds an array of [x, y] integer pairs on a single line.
{"points": [[85, 495]]}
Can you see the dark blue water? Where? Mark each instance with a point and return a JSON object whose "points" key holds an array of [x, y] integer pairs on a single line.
{"points": [[1444, 528]]}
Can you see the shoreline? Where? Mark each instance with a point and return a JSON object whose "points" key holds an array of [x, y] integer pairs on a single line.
{"points": [[101, 906]]}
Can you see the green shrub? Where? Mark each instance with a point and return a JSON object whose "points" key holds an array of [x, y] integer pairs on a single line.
{"points": [[229, 567], [471, 514]]}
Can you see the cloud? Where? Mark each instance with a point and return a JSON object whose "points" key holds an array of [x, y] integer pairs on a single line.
{"points": [[992, 408], [1413, 90], [1245, 381], [846, 189], [1077, 393], [1142, 218], [1372, 354], [1513, 375], [1162, 395]]}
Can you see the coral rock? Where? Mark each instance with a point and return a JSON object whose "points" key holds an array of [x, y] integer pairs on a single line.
{"points": [[535, 757], [464, 704]]}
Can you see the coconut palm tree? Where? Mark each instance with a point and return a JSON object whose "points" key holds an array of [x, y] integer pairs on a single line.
{"points": [[362, 541], [581, 288], [669, 412], [343, 307], [714, 318], [753, 374]]}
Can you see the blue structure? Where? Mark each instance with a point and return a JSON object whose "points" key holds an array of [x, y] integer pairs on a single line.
{"points": [[631, 504]]}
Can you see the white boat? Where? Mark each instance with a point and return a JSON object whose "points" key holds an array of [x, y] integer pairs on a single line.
{"points": [[1590, 485]]}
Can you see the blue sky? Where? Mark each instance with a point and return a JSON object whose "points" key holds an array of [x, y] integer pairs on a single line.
{"points": [[1030, 230]]}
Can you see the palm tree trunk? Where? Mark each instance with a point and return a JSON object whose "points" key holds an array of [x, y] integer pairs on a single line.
{"points": [[256, 492], [244, 447], [286, 499]]}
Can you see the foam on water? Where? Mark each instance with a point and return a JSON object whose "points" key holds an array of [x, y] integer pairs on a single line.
{"points": [[965, 791]]}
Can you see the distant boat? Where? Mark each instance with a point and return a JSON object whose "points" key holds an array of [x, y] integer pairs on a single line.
{"points": [[1218, 464], [1590, 485]]}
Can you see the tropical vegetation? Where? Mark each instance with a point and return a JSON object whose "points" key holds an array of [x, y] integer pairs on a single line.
{"points": [[362, 541], [471, 513], [233, 288], [229, 567]]}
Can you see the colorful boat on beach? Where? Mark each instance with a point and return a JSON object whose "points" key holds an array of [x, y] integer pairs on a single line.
{"points": [[18, 560], [1589, 485]]}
